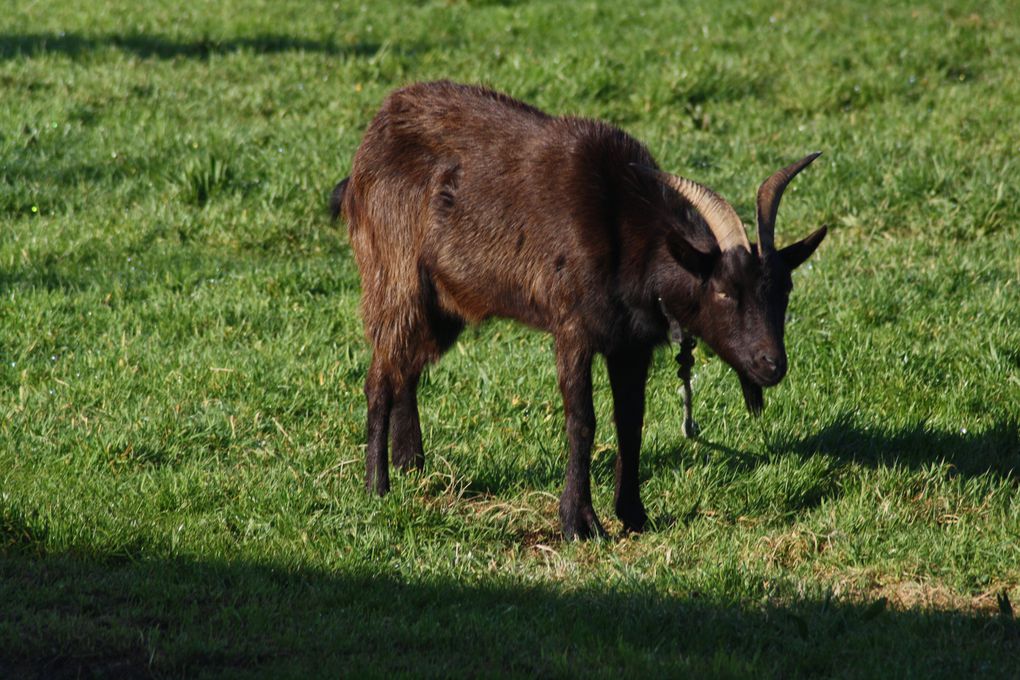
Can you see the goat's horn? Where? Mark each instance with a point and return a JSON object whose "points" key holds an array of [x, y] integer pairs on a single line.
{"points": [[769, 194], [720, 216]]}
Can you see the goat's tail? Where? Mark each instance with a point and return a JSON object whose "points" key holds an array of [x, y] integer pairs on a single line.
{"points": [[336, 200]]}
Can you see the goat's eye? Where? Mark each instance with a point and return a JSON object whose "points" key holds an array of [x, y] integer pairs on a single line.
{"points": [[721, 295]]}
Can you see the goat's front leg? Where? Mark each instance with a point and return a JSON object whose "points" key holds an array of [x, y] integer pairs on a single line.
{"points": [[628, 372], [573, 366]]}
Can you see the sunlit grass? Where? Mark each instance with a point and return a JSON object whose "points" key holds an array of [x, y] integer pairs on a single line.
{"points": [[181, 360]]}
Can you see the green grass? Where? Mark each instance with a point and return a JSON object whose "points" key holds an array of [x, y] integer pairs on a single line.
{"points": [[181, 360]]}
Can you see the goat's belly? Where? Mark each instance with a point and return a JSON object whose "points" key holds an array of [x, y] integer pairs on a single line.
{"points": [[475, 297], [476, 285]]}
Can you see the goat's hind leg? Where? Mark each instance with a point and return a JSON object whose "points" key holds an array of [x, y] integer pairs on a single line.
{"points": [[392, 415], [434, 330], [379, 394], [434, 333], [405, 427]]}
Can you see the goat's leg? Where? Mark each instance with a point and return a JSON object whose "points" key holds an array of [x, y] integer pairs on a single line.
{"points": [[628, 372], [577, 516], [405, 428], [379, 394]]}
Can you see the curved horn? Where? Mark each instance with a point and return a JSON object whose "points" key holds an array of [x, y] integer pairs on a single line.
{"points": [[769, 194], [720, 216]]}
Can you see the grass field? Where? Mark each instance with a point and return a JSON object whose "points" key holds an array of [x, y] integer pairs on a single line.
{"points": [[181, 359]]}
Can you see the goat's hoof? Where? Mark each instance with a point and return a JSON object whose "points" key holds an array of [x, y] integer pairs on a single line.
{"points": [[581, 524], [633, 517], [691, 429], [409, 461], [378, 486]]}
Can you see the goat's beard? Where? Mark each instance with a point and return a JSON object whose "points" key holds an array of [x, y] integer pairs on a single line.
{"points": [[753, 397]]}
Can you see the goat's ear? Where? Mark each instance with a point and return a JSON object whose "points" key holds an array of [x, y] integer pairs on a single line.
{"points": [[795, 254], [690, 256]]}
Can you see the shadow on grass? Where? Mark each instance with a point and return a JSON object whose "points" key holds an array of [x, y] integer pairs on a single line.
{"points": [[75, 46], [95, 616], [995, 450]]}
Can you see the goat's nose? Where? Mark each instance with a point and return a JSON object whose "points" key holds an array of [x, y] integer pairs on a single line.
{"points": [[773, 364]]}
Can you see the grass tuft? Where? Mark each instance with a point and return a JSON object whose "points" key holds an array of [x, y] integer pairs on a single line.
{"points": [[202, 179]]}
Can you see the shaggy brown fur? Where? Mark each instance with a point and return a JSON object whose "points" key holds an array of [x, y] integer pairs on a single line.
{"points": [[465, 204]]}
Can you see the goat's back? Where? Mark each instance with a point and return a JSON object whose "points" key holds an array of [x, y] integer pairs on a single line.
{"points": [[496, 207]]}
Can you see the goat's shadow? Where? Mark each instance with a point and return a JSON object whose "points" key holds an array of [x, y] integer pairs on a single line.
{"points": [[994, 450]]}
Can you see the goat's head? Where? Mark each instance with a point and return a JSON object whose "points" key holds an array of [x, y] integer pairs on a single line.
{"points": [[739, 306]]}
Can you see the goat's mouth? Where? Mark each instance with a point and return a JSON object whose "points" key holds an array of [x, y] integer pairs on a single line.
{"points": [[765, 378], [766, 370], [762, 376]]}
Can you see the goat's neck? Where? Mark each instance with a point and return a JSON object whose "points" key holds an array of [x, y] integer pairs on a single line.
{"points": [[668, 275]]}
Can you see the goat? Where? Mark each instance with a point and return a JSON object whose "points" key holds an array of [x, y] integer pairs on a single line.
{"points": [[464, 203]]}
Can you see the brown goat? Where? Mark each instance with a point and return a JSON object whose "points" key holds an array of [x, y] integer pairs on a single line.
{"points": [[464, 203]]}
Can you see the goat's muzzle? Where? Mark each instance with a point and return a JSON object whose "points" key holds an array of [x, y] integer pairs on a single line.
{"points": [[768, 369]]}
